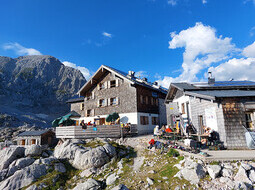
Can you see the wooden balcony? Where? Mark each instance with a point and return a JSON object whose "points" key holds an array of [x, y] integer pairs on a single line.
{"points": [[101, 131]]}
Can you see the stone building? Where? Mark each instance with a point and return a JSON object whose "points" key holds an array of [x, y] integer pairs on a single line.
{"points": [[40, 137], [226, 106], [109, 90]]}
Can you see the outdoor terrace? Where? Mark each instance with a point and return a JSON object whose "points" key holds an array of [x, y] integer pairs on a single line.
{"points": [[101, 131]]}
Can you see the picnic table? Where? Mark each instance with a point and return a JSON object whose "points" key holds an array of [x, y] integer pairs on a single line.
{"points": [[200, 136], [170, 134]]}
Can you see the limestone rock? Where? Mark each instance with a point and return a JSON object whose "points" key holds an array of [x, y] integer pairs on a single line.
{"points": [[246, 166], [8, 155], [150, 181], [241, 176], [24, 177], [87, 172], [214, 170], [60, 167], [194, 173], [252, 176], [111, 179], [33, 150], [227, 172], [90, 184]]}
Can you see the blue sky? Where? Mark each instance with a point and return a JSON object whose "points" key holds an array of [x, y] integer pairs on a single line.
{"points": [[136, 35]]}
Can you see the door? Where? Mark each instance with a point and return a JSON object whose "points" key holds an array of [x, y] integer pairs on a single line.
{"points": [[201, 124]]}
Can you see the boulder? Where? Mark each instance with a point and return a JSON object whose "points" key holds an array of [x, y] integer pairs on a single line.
{"points": [[214, 170], [252, 176], [193, 173], [87, 172], [247, 167], [24, 177], [242, 176], [120, 187], [110, 150], [150, 181], [111, 179], [90, 184], [24, 162], [66, 150], [8, 155], [227, 172], [33, 150], [60, 167]]}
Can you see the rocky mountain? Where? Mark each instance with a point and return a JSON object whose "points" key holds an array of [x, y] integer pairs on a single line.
{"points": [[34, 89]]}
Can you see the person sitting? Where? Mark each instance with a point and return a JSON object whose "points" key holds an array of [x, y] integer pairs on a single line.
{"points": [[163, 129], [168, 129], [156, 131], [83, 125]]}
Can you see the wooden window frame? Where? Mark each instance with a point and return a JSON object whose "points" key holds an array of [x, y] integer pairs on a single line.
{"points": [[154, 120], [144, 120]]}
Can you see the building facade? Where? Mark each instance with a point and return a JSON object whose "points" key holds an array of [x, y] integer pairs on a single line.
{"points": [[135, 100], [228, 107]]}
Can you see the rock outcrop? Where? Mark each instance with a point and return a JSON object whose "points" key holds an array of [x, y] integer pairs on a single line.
{"points": [[90, 184], [8, 155], [33, 150], [85, 157]]}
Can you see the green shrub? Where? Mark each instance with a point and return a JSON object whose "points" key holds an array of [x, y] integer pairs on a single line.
{"points": [[173, 153]]}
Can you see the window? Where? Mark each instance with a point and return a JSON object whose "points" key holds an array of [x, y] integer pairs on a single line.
{"points": [[112, 83], [88, 113], [82, 106], [154, 120], [102, 86], [147, 100], [144, 120], [113, 101], [102, 103], [183, 108], [249, 120], [141, 99]]}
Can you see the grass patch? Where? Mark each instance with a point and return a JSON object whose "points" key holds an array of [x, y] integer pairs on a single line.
{"points": [[214, 163], [93, 144], [173, 153]]}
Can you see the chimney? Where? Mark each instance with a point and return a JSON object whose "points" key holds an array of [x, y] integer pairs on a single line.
{"points": [[131, 74], [155, 83], [211, 80]]}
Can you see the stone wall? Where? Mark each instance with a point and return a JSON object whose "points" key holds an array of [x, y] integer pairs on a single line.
{"points": [[126, 96], [197, 108], [162, 112], [77, 107], [171, 109]]}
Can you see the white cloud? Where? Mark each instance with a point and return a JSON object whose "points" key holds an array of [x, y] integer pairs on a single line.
{"points": [[246, 1], [238, 69], [249, 51], [202, 48], [204, 1], [106, 34], [21, 50], [86, 73], [141, 74], [172, 2]]}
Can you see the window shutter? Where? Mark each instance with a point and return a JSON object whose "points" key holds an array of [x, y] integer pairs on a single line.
{"points": [[81, 106], [117, 100], [109, 101], [93, 95], [109, 84], [106, 102], [98, 102], [98, 86], [117, 82]]}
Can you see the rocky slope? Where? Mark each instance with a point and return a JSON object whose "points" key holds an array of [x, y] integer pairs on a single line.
{"points": [[33, 89]]}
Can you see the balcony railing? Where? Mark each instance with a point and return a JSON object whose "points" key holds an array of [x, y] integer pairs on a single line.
{"points": [[101, 131]]}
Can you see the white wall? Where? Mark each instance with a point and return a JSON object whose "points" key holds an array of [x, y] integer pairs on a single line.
{"points": [[133, 118]]}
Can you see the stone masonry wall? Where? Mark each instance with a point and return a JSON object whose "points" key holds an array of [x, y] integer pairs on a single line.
{"points": [[125, 92], [77, 107]]}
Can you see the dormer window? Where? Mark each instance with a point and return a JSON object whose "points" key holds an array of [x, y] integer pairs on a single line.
{"points": [[101, 86], [113, 83]]}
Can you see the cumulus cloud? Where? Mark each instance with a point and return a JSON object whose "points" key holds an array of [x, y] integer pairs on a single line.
{"points": [[202, 48], [106, 34], [86, 73], [252, 31], [204, 1], [249, 51], [238, 69], [21, 50]]}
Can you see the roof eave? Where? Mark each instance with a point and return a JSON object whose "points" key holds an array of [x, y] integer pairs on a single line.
{"points": [[200, 95]]}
